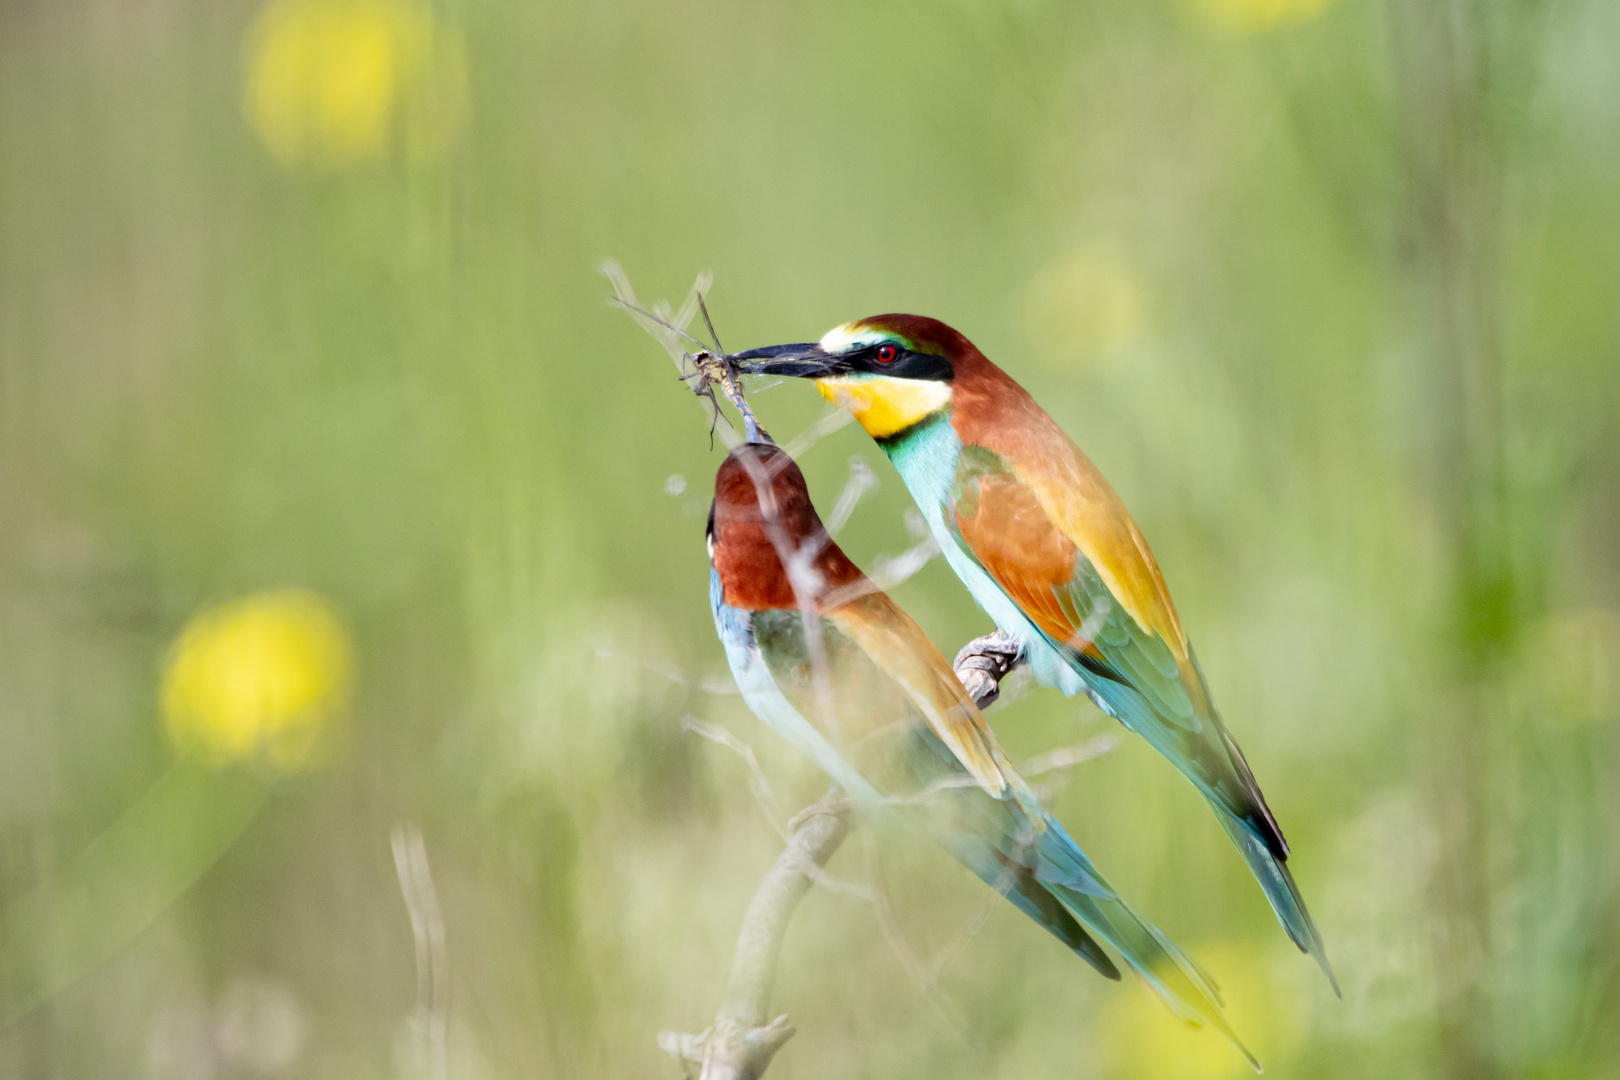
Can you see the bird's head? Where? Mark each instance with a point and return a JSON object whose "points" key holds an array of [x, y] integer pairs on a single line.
{"points": [[765, 536], [891, 371]]}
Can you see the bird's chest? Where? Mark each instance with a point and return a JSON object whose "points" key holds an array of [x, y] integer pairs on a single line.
{"points": [[929, 462], [829, 679], [926, 457]]}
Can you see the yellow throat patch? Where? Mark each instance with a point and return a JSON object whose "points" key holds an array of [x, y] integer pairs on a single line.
{"points": [[885, 405]]}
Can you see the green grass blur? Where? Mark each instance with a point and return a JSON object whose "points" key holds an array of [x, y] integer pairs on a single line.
{"points": [[308, 299]]}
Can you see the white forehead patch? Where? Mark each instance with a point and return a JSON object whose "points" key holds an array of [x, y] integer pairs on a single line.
{"points": [[847, 336]]}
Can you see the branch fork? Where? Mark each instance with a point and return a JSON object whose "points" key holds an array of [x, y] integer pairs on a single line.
{"points": [[741, 1042]]}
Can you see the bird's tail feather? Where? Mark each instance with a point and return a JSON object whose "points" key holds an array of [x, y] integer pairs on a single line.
{"points": [[1255, 834], [1020, 886], [1019, 849], [1278, 884], [1182, 984]]}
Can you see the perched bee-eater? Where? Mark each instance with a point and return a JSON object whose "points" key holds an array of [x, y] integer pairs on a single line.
{"points": [[1049, 551], [832, 664]]}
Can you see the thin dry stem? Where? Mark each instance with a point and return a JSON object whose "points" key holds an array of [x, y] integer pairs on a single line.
{"points": [[740, 1044], [432, 1019]]}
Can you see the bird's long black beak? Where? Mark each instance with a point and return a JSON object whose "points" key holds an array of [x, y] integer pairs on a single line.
{"points": [[806, 360]]}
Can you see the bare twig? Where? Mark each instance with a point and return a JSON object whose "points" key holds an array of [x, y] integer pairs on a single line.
{"points": [[861, 480], [758, 785], [827, 423], [740, 1043], [432, 1019], [668, 328], [1067, 757], [925, 976]]}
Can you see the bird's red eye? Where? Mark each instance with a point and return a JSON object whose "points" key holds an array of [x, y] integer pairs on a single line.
{"points": [[886, 354]]}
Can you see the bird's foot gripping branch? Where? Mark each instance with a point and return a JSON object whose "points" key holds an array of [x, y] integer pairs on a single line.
{"points": [[984, 662]]}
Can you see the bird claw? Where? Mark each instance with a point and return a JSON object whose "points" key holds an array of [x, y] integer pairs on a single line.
{"points": [[984, 662]]}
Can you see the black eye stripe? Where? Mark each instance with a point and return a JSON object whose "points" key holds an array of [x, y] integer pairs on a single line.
{"points": [[904, 364]]}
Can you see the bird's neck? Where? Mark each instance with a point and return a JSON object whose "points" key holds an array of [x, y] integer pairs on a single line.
{"points": [[925, 455]]}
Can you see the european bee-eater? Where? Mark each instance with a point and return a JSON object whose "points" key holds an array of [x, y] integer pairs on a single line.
{"points": [[832, 664], [1049, 551]]}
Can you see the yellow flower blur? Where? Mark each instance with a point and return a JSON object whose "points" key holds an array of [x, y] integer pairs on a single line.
{"points": [[1145, 1040], [332, 83], [1254, 15], [263, 678]]}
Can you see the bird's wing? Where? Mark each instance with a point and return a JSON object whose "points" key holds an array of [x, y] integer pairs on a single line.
{"points": [[872, 670], [769, 688], [1062, 546], [899, 648], [878, 664]]}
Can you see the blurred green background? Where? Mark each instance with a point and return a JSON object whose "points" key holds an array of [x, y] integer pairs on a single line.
{"points": [[300, 315]]}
